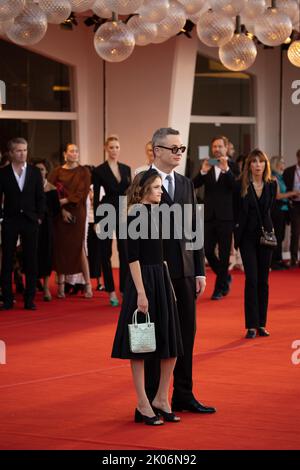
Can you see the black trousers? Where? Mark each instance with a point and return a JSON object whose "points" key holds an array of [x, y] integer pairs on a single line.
{"points": [[218, 232], [106, 254], [295, 231], [183, 383], [256, 260], [28, 231], [94, 252]]}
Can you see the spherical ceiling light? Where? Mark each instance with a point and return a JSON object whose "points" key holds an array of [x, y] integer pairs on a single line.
{"points": [[113, 41], [253, 8], [56, 11], [29, 27], [81, 5], [153, 11], [215, 28], [9, 9], [100, 8], [144, 33], [228, 7], [239, 53], [124, 7], [273, 27], [192, 6], [294, 53], [174, 22], [289, 8]]}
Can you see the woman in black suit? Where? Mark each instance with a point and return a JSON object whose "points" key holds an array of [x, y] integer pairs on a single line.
{"points": [[254, 191], [114, 178]]}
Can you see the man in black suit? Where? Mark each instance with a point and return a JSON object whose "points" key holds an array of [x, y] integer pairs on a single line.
{"points": [[291, 178], [186, 269], [218, 180], [23, 207]]}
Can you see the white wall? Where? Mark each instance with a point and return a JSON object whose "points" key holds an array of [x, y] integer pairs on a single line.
{"points": [[76, 48]]}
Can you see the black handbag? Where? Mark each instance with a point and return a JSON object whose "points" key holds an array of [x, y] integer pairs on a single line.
{"points": [[267, 238]]}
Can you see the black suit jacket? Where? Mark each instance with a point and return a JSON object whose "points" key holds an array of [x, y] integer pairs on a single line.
{"points": [[182, 262], [218, 194], [29, 202], [288, 176], [103, 176], [241, 209]]}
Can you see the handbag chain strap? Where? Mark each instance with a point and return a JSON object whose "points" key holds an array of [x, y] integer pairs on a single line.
{"points": [[257, 208]]}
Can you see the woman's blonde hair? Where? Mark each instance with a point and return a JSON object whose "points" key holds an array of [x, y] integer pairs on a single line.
{"points": [[111, 138], [139, 189], [274, 162], [246, 176]]}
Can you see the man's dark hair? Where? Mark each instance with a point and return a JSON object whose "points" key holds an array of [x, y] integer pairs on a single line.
{"points": [[15, 141], [161, 134], [220, 137], [298, 153], [43, 161]]}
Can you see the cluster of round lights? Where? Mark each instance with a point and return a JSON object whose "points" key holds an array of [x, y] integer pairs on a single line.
{"points": [[25, 22]]}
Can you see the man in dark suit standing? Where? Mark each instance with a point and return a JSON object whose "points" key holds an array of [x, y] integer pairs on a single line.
{"points": [[186, 269], [21, 187], [291, 178], [218, 179]]}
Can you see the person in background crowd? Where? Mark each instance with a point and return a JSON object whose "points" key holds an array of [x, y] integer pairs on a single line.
{"points": [[21, 186], [218, 180], [45, 239], [280, 212], [149, 156], [291, 177], [73, 183], [114, 177]]}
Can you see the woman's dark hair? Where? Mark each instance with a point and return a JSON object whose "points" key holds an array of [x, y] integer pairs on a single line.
{"points": [[140, 186], [43, 161]]}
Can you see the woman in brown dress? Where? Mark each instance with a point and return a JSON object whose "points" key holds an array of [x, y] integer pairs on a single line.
{"points": [[73, 183]]}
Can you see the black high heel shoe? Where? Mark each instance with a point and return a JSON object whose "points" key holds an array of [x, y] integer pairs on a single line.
{"points": [[170, 417], [153, 421]]}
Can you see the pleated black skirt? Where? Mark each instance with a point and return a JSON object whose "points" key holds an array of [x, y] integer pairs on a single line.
{"points": [[162, 311]]}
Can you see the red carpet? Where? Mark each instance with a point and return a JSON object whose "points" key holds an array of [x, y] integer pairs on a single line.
{"points": [[60, 390]]}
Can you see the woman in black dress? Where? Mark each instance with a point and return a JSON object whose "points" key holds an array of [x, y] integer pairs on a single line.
{"points": [[45, 240], [255, 191], [115, 178], [149, 288]]}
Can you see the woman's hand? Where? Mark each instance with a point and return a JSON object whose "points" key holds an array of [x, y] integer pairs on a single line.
{"points": [[63, 201], [142, 302], [67, 216]]}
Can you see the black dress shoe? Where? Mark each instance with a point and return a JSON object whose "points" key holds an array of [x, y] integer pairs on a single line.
{"points": [[7, 306], [217, 295], [193, 405], [251, 334], [29, 306], [262, 332]]}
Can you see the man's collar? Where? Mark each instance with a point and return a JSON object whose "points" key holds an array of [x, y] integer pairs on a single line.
{"points": [[23, 167], [162, 173]]}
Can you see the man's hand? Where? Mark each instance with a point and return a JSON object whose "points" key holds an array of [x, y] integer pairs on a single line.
{"points": [[205, 166], [223, 163], [200, 285]]}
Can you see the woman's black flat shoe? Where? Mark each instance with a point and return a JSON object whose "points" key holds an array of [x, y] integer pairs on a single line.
{"points": [[153, 421], [250, 334], [170, 417], [262, 332]]}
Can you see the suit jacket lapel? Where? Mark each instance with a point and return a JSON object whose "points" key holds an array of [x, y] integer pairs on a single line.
{"points": [[27, 177], [178, 188], [13, 178]]}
